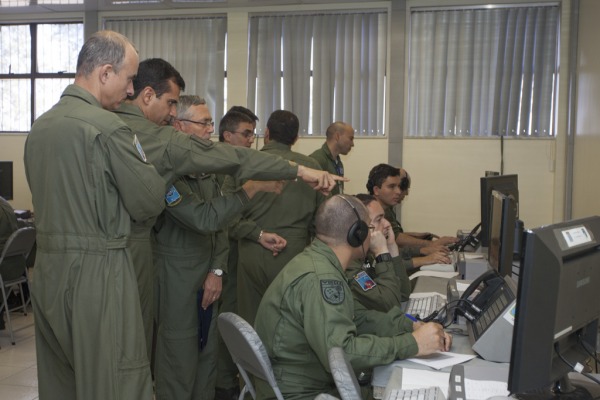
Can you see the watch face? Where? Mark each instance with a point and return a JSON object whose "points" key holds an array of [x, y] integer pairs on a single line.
{"points": [[217, 272]]}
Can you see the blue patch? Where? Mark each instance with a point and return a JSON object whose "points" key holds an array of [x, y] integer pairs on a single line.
{"points": [[364, 281], [138, 147], [172, 197]]}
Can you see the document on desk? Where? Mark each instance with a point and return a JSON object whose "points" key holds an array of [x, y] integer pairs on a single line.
{"points": [[441, 360], [473, 256], [437, 274], [422, 378], [438, 268]]}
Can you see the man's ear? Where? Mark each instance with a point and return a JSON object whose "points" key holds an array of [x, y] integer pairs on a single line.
{"points": [[266, 137], [175, 123], [226, 136], [104, 72], [147, 94], [376, 190]]}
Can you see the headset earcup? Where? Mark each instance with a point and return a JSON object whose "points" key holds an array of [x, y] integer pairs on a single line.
{"points": [[357, 234]]}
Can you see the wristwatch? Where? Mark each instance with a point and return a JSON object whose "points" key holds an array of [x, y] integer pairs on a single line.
{"points": [[383, 257], [217, 271]]}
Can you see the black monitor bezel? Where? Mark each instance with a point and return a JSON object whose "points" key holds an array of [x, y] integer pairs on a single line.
{"points": [[6, 180], [506, 184], [506, 216]]}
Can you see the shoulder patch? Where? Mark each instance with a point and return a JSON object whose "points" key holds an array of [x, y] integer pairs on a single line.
{"points": [[364, 281], [172, 197], [333, 291], [138, 147]]}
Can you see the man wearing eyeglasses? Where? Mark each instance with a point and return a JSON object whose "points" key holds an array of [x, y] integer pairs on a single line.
{"points": [[289, 216], [190, 253], [340, 140], [148, 112]]}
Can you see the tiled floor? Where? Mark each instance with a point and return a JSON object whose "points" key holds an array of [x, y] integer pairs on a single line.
{"points": [[18, 371]]}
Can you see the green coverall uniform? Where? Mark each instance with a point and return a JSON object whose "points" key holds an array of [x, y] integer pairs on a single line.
{"points": [[89, 179], [290, 215], [331, 165], [391, 287], [176, 154], [309, 309], [187, 243]]}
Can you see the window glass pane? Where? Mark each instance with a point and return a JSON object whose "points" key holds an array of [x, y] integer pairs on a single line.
{"points": [[58, 46], [15, 99], [47, 93], [15, 48]]}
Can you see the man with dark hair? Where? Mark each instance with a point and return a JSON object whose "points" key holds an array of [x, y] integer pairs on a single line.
{"points": [[190, 253], [309, 309], [175, 154], [273, 229], [389, 185], [89, 179], [237, 129], [232, 140], [339, 140]]}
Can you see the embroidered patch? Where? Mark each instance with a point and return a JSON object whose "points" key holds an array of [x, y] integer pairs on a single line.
{"points": [[364, 281], [172, 197], [332, 291], [138, 146]]}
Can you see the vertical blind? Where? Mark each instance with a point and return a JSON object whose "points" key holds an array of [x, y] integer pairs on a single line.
{"points": [[324, 68], [194, 46], [483, 72]]}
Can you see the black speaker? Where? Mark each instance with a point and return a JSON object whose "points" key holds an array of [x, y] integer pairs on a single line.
{"points": [[357, 234]]}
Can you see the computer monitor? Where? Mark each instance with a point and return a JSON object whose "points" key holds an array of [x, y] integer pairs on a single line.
{"points": [[557, 308], [507, 184], [6, 179], [503, 219]]}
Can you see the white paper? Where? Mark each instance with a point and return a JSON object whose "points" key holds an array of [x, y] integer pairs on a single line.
{"points": [[482, 390], [436, 274], [425, 294], [441, 360], [462, 286], [473, 256], [421, 378], [438, 267]]}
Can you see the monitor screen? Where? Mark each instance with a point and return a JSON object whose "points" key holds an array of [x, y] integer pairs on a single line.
{"points": [[557, 312], [6, 179], [503, 217], [506, 184]]}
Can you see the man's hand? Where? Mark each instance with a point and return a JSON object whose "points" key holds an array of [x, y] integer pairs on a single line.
{"points": [[431, 338], [213, 285], [272, 242], [434, 248], [445, 240], [322, 181], [378, 243], [253, 187], [388, 232], [435, 258]]}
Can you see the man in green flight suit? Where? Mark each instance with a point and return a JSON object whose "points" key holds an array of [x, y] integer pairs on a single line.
{"points": [[190, 254], [89, 179], [173, 154], [339, 140], [273, 228], [309, 308], [380, 282]]}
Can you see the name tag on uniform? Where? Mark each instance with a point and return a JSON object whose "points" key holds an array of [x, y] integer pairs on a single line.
{"points": [[172, 197], [364, 281]]}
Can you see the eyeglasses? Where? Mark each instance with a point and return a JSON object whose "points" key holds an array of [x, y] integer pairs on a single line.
{"points": [[205, 124], [247, 134]]}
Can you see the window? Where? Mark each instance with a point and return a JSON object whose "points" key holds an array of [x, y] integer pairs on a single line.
{"points": [[324, 68], [195, 46], [38, 61], [483, 72]]}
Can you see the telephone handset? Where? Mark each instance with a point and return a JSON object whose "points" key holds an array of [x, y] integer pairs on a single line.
{"points": [[479, 293], [472, 239]]}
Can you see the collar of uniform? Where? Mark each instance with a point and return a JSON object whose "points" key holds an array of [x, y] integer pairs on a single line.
{"points": [[275, 145], [130, 108], [320, 247], [329, 155], [77, 91]]}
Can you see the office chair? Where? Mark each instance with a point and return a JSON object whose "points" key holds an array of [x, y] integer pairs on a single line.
{"points": [[19, 244], [248, 352], [343, 375]]}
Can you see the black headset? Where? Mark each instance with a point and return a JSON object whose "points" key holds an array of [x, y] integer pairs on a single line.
{"points": [[357, 234]]}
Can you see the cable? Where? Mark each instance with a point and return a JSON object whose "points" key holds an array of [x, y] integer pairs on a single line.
{"points": [[592, 354], [577, 368]]}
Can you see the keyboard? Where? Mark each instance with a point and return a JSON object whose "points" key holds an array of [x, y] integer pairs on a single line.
{"points": [[430, 393], [424, 306]]}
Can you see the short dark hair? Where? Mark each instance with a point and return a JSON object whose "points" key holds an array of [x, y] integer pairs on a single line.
{"points": [[366, 199], [283, 127], [379, 174], [103, 47], [244, 110], [156, 73], [231, 121]]}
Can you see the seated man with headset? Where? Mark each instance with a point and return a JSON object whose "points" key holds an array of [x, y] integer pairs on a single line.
{"points": [[309, 309]]}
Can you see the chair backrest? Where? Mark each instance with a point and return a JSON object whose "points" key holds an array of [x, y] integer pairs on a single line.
{"points": [[343, 374], [19, 243], [247, 350]]}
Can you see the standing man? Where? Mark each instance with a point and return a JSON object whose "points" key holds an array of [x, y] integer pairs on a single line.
{"points": [[173, 154], [237, 136], [309, 309], [340, 140], [190, 254], [89, 179], [273, 229]]}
